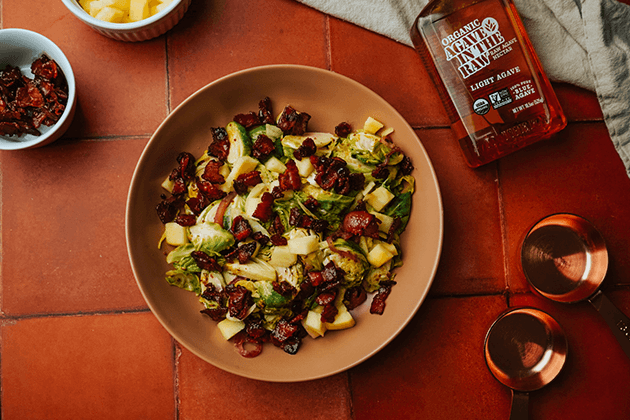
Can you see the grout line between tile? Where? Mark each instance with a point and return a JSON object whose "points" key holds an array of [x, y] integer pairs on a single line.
{"points": [[503, 227], [351, 401], [69, 314], [175, 353], [166, 72]]}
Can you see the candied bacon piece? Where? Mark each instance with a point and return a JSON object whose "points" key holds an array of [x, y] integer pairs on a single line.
{"points": [[329, 313], [185, 220], [263, 147], [290, 178], [265, 113], [245, 251], [278, 240], [179, 185], [212, 172], [343, 129], [294, 216], [325, 298], [311, 203], [186, 166], [361, 223], [277, 226], [220, 146], [276, 192], [306, 149], [406, 167], [255, 327], [205, 261], [210, 191], [167, 209], [329, 172], [354, 297], [28, 95], [380, 172], [315, 278], [264, 210], [246, 180], [247, 120], [283, 331], [307, 222], [241, 228], [45, 67], [357, 181], [239, 300], [216, 314], [213, 294], [343, 185], [197, 204], [261, 238], [378, 302], [331, 273], [292, 122], [283, 288]]}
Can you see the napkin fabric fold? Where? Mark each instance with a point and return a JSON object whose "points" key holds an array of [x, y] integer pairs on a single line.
{"points": [[582, 42]]}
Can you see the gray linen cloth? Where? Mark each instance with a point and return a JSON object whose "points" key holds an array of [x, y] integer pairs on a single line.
{"points": [[582, 42]]}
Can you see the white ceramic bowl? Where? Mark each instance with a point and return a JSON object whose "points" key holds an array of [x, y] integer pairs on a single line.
{"points": [[143, 30], [19, 48]]}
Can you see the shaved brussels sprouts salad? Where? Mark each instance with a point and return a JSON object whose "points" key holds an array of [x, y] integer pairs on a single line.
{"points": [[282, 232]]}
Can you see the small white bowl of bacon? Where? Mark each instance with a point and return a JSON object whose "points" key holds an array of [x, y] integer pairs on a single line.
{"points": [[37, 90]]}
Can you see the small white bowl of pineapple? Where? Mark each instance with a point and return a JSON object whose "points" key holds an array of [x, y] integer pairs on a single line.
{"points": [[129, 20]]}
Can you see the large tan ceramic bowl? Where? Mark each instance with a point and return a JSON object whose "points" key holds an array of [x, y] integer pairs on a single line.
{"points": [[330, 99]]}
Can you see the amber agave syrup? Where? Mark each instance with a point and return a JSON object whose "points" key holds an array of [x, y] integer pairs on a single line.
{"points": [[489, 78]]}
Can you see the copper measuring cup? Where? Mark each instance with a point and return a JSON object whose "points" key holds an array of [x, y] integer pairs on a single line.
{"points": [[564, 258], [525, 349]]}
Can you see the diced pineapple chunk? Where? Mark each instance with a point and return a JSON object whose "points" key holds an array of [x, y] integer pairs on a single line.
{"points": [[229, 328], [281, 256], [85, 4], [379, 255], [371, 126], [387, 132], [305, 167], [121, 4], [343, 319], [138, 10], [379, 198], [390, 247], [168, 185], [110, 14], [96, 6], [175, 234], [386, 221], [251, 204], [313, 322], [304, 245], [242, 165], [275, 165]]}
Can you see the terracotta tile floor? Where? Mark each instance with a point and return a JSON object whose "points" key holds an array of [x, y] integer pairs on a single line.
{"points": [[77, 340]]}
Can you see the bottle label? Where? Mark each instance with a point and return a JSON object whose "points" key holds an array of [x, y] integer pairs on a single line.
{"points": [[479, 52], [470, 45]]}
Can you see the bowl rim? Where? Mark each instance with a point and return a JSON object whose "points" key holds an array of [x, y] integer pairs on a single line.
{"points": [[66, 67], [84, 16]]}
